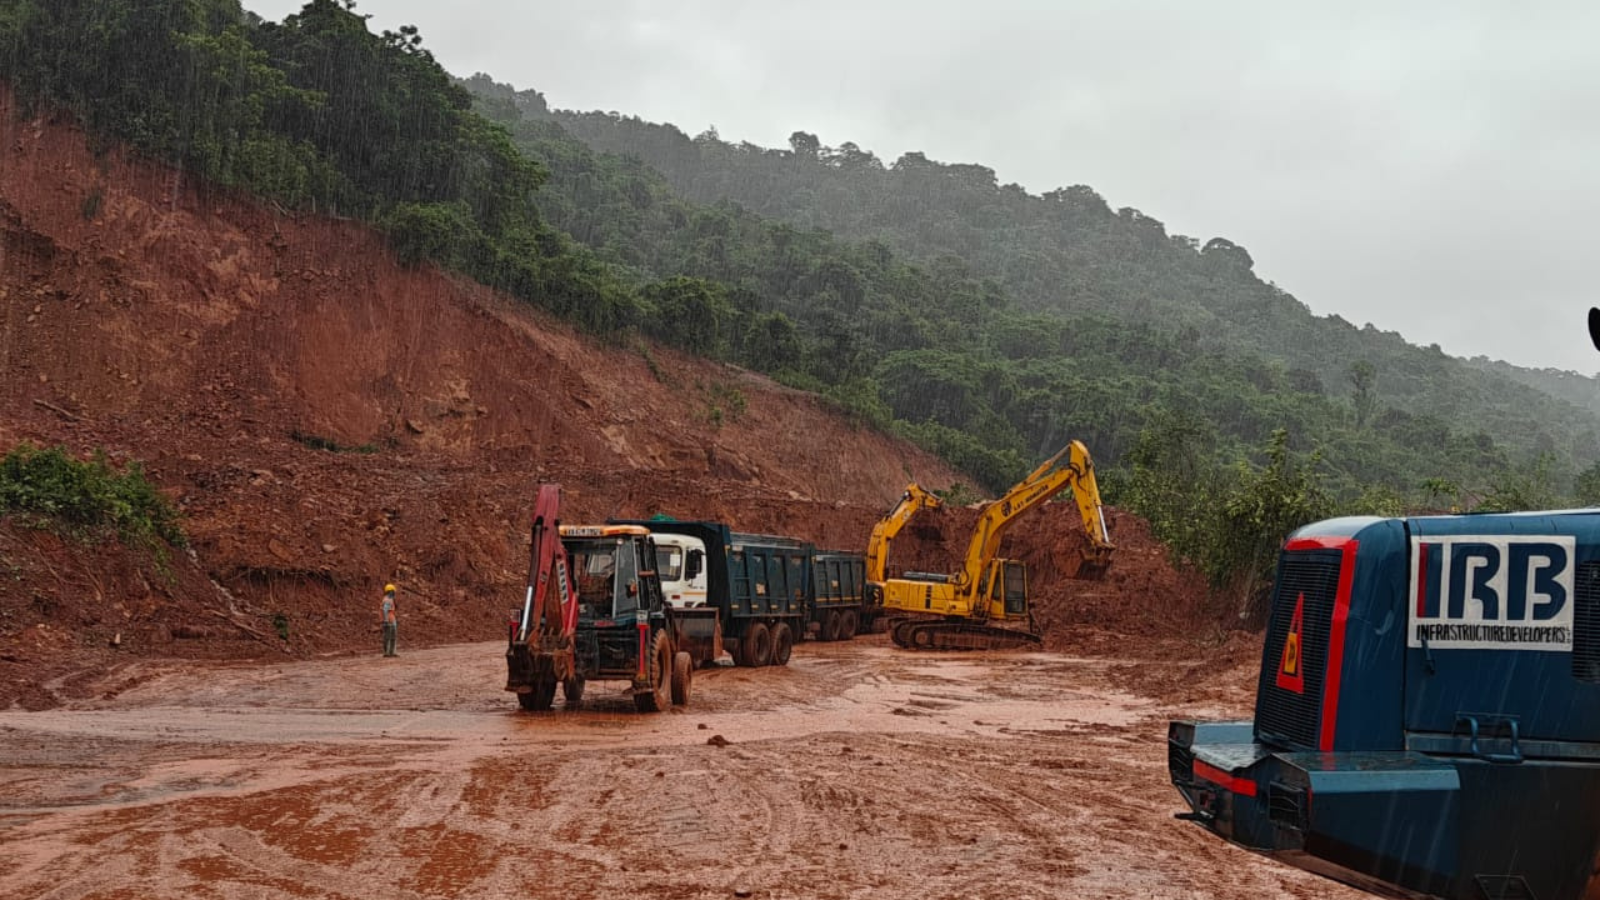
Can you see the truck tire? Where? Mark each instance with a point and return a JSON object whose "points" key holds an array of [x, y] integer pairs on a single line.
{"points": [[572, 690], [682, 678], [832, 626], [540, 698], [660, 671], [757, 645], [782, 643], [849, 624]]}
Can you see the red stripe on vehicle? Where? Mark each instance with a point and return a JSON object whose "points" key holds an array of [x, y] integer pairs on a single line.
{"points": [[1422, 579], [1237, 785], [1319, 543], [1341, 612], [644, 641]]}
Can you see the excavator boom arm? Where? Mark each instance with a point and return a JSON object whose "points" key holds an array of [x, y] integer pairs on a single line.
{"points": [[1042, 483], [914, 500]]}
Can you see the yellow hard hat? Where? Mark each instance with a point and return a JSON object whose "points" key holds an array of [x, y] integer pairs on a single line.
{"points": [[388, 589]]}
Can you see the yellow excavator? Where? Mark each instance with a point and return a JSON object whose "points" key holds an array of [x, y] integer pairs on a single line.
{"points": [[967, 610]]}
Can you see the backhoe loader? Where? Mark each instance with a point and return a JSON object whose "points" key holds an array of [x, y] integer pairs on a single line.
{"points": [[965, 610]]}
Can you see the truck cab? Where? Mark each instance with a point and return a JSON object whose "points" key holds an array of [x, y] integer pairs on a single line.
{"points": [[681, 563], [1427, 719]]}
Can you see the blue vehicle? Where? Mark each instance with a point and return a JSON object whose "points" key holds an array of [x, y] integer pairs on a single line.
{"points": [[1427, 719]]}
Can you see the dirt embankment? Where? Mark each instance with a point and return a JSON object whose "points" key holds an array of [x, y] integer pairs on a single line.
{"points": [[328, 421]]}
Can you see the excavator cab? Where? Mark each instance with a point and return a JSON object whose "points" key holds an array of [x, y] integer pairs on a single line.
{"points": [[1014, 588], [1005, 589]]}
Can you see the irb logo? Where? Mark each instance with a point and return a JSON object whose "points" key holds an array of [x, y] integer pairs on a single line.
{"points": [[1498, 592]]}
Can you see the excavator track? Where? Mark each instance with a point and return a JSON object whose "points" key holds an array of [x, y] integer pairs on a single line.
{"points": [[940, 635]]}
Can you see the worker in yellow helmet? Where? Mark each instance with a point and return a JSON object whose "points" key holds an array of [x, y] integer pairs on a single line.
{"points": [[390, 619]]}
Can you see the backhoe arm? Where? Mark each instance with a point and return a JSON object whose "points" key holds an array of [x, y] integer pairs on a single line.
{"points": [[550, 608]]}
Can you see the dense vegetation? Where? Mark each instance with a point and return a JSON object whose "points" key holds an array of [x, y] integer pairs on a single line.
{"points": [[990, 380], [1067, 253], [987, 324], [316, 112], [85, 497]]}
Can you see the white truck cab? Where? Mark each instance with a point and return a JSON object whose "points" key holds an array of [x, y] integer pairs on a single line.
{"points": [[681, 566]]}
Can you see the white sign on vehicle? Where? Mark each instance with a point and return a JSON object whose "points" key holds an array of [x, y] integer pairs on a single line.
{"points": [[1492, 592]]}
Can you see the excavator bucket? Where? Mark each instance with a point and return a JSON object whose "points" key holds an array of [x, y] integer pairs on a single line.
{"points": [[1090, 565]]}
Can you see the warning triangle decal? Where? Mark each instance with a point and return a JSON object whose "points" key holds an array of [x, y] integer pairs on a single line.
{"points": [[1291, 668]]}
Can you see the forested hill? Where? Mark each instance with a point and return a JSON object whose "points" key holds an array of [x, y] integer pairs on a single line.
{"points": [[985, 324], [1068, 253]]}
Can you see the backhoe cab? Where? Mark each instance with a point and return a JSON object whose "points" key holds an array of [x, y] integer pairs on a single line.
{"points": [[962, 611]]}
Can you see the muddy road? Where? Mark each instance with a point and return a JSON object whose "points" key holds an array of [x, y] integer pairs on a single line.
{"points": [[858, 771]]}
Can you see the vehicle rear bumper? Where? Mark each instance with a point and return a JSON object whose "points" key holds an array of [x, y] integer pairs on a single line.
{"points": [[1386, 822]]}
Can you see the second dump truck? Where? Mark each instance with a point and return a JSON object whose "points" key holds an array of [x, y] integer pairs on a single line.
{"points": [[754, 595]]}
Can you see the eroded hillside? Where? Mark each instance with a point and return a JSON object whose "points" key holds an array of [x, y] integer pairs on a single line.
{"points": [[327, 421]]}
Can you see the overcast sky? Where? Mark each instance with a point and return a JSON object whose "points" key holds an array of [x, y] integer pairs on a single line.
{"points": [[1431, 167]]}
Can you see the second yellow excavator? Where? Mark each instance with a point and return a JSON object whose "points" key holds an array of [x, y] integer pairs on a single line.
{"points": [[966, 610], [913, 501]]}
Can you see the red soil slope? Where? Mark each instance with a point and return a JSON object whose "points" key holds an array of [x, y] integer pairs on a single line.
{"points": [[211, 338]]}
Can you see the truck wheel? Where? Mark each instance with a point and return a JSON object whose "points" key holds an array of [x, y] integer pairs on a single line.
{"points": [[782, 643], [758, 645], [655, 699], [849, 624], [832, 626], [540, 698], [572, 689], [682, 678]]}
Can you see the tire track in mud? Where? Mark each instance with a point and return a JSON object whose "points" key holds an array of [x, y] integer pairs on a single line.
{"points": [[859, 771]]}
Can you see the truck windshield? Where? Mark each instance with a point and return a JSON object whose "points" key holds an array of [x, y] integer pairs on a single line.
{"points": [[606, 575], [669, 562]]}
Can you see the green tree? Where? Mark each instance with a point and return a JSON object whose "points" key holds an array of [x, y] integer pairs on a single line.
{"points": [[1260, 509], [1363, 376], [691, 313]]}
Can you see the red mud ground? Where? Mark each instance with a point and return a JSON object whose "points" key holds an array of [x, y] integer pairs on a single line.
{"points": [[164, 738]]}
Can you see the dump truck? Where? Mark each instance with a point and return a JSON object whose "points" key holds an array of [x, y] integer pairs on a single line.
{"points": [[753, 594], [838, 608], [594, 610], [1427, 718]]}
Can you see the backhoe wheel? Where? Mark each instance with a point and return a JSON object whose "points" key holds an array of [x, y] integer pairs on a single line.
{"points": [[572, 689], [660, 672], [682, 678], [759, 643], [782, 643], [848, 624], [542, 695]]}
